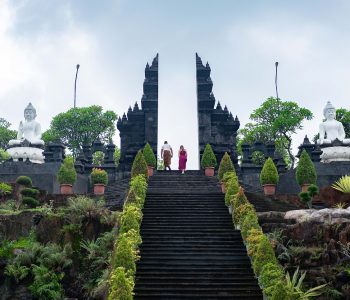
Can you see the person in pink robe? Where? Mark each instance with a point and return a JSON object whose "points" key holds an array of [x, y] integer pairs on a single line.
{"points": [[182, 159]]}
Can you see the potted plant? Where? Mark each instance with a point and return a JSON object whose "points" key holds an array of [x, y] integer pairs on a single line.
{"points": [[67, 176], [225, 166], [99, 179], [269, 177], [305, 173], [208, 161], [150, 158]]}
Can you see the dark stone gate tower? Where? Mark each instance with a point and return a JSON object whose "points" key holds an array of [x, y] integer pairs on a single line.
{"points": [[140, 126], [216, 126]]}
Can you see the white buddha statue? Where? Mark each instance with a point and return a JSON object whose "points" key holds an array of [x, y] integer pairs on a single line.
{"points": [[331, 129], [30, 130]]}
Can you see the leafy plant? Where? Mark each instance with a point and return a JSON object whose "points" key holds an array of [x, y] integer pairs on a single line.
{"points": [[228, 175], [139, 165], [343, 184], [305, 172], [241, 211], [306, 197], [5, 189], [253, 239], [67, 174], [239, 199], [24, 180], [265, 254], [258, 158], [269, 174], [149, 156], [17, 271], [269, 277], [31, 202], [130, 218], [225, 166], [341, 205], [208, 158], [232, 188], [248, 223], [99, 176], [98, 158], [83, 207], [121, 285], [30, 192]]}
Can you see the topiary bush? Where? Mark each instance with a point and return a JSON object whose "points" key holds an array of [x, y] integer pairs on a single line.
{"points": [[149, 156], [99, 176], [225, 166], [228, 175], [139, 166], [24, 180], [30, 192], [239, 199], [271, 274], [253, 240], [31, 202], [249, 222], [121, 285], [305, 172], [130, 218], [232, 188], [264, 255], [67, 174], [269, 174], [208, 158], [241, 211]]}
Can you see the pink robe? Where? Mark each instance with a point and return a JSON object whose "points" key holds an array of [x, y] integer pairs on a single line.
{"points": [[182, 160]]}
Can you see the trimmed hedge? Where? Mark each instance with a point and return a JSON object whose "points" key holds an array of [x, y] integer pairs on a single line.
{"points": [[31, 202], [269, 173], [30, 192], [208, 158], [305, 172], [24, 180], [232, 188], [225, 166], [149, 156], [139, 166]]}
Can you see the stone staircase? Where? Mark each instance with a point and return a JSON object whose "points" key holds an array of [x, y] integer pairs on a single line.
{"points": [[190, 249]]}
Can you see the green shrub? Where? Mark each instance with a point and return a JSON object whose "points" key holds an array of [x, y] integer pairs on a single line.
{"points": [[305, 172], [150, 158], [228, 175], [139, 185], [343, 184], [258, 158], [82, 206], [130, 218], [24, 180], [208, 158], [232, 188], [239, 199], [279, 292], [139, 166], [30, 192], [99, 176], [271, 274], [46, 284], [253, 239], [313, 190], [30, 202], [67, 174], [5, 189], [225, 166], [17, 271], [249, 222], [121, 286], [264, 255], [241, 211], [269, 174]]}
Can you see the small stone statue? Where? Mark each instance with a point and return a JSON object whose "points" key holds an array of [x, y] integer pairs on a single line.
{"points": [[331, 129], [30, 130]]}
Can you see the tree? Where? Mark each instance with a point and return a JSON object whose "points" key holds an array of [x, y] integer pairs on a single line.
{"points": [[276, 121], [343, 116], [82, 125], [6, 134]]}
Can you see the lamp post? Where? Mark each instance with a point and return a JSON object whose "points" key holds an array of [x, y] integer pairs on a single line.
{"points": [[276, 64], [75, 86]]}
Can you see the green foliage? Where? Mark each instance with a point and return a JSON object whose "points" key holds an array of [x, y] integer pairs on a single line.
{"points": [[265, 254], [30, 202], [121, 285], [225, 166], [280, 292], [271, 274], [24, 180], [305, 172], [306, 197], [232, 188], [343, 115], [248, 223], [239, 199], [137, 191], [149, 156], [3, 155], [99, 176], [46, 284], [116, 156], [258, 158], [208, 158], [160, 164], [343, 184], [83, 207], [253, 240], [276, 121], [30, 192], [67, 174], [17, 271], [313, 190], [269, 173], [241, 212], [228, 175], [98, 158], [139, 165], [82, 125], [6, 248], [6, 134], [5, 189], [130, 218]]}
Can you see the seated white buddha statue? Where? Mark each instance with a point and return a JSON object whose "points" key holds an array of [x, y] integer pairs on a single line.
{"points": [[331, 129], [30, 130]]}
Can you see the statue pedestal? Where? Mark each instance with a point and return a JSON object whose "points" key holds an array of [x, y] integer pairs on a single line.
{"points": [[335, 153], [35, 155]]}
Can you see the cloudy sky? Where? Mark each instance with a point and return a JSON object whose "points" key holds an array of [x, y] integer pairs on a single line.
{"points": [[41, 41]]}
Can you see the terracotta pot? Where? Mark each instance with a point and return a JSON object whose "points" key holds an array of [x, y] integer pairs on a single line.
{"points": [[150, 171], [99, 189], [269, 189], [304, 187], [209, 171], [223, 188], [66, 189]]}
